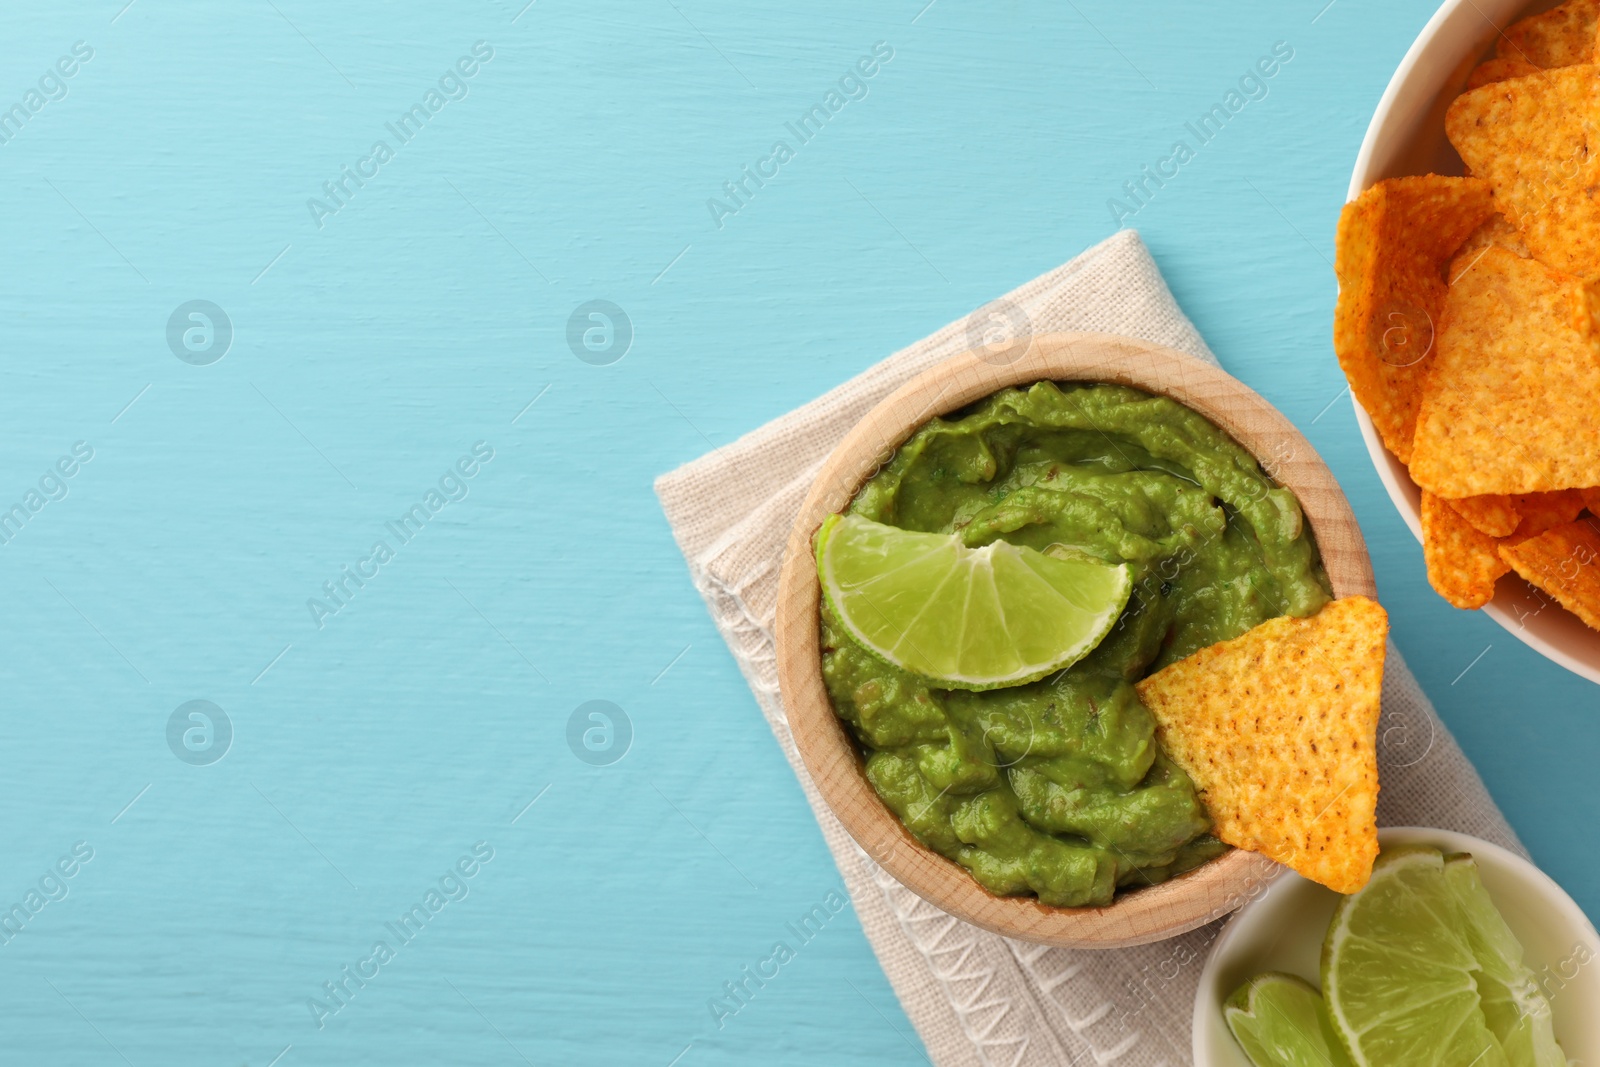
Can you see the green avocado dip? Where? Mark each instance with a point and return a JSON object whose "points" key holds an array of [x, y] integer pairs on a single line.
{"points": [[1058, 788]]}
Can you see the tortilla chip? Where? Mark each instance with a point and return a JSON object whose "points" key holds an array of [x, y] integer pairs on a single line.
{"points": [[1545, 511], [1529, 138], [1394, 240], [1500, 69], [1495, 233], [1491, 514], [1463, 561], [1509, 405], [1559, 37], [1278, 730], [1564, 562]]}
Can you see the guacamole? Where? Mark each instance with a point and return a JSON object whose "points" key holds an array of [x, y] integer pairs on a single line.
{"points": [[1058, 788]]}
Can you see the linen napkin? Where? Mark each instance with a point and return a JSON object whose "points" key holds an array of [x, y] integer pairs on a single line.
{"points": [[976, 997]]}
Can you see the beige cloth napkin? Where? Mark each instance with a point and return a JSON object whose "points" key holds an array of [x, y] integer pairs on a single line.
{"points": [[975, 997]]}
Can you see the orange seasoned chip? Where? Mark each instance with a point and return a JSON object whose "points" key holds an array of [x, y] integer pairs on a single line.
{"points": [[1500, 69], [1490, 514], [1529, 138], [1278, 730], [1545, 511], [1463, 562], [1394, 241], [1591, 499], [1509, 404], [1496, 233], [1564, 562], [1560, 37]]}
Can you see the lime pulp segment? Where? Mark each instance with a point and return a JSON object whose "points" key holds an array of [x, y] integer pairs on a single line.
{"points": [[1515, 1008], [966, 618], [1399, 972], [1280, 1021]]}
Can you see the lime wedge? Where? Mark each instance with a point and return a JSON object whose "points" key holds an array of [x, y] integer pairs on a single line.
{"points": [[966, 618], [1516, 1009], [1399, 974], [1280, 1021]]}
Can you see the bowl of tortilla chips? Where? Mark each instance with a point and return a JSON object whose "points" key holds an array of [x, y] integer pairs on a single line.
{"points": [[1469, 273]]}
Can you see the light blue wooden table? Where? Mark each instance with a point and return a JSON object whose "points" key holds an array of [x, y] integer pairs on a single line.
{"points": [[376, 316]]}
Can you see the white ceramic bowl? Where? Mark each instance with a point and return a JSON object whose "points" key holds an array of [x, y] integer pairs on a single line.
{"points": [[1282, 930], [1407, 137]]}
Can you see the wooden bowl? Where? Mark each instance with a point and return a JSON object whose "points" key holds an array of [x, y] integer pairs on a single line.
{"points": [[830, 752]]}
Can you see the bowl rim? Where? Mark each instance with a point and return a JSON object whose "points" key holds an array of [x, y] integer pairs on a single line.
{"points": [[1207, 1013], [830, 754], [1396, 479]]}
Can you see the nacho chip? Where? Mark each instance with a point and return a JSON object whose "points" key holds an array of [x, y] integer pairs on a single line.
{"points": [[1394, 240], [1490, 514], [1545, 511], [1278, 729], [1564, 562], [1509, 405], [1500, 69], [1495, 233], [1559, 37], [1529, 138], [1463, 561]]}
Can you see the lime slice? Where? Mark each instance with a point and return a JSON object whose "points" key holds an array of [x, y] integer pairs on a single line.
{"points": [[966, 618], [1398, 972], [1280, 1021], [1516, 1009]]}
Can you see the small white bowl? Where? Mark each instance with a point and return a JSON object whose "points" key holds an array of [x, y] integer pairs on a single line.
{"points": [[1407, 137], [1282, 930]]}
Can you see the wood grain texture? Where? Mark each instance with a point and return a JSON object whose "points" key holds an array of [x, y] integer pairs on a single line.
{"points": [[830, 753], [380, 346]]}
